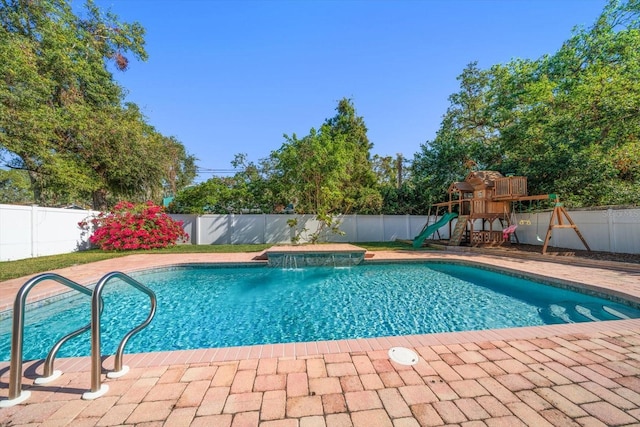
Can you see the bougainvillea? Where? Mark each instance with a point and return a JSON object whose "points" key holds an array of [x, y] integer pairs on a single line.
{"points": [[129, 227]]}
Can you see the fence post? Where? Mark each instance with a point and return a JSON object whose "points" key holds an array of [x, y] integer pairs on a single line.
{"points": [[355, 224], [34, 230], [196, 229], [264, 228], [408, 224], [612, 231]]}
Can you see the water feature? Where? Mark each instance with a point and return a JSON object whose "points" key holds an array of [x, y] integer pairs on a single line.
{"points": [[315, 256]]}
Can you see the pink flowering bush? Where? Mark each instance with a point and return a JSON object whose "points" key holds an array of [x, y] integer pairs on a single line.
{"points": [[130, 227]]}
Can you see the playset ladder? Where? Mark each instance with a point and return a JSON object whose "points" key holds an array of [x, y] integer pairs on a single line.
{"points": [[458, 231]]}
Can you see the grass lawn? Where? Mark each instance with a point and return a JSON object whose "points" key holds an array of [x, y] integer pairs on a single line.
{"points": [[25, 267]]}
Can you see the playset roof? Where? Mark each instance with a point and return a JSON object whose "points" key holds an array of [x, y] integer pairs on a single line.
{"points": [[483, 177]]}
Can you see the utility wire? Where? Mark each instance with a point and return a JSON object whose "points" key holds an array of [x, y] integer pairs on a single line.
{"points": [[216, 171]]}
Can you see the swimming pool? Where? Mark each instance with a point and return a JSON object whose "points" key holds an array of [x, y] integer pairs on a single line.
{"points": [[214, 306]]}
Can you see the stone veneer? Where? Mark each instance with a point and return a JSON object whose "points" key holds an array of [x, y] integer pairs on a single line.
{"points": [[333, 255]]}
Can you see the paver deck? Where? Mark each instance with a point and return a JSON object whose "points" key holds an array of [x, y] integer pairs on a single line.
{"points": [[585, 374]]}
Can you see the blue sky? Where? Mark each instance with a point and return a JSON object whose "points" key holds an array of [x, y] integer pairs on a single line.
{"points": [[227, 77]]}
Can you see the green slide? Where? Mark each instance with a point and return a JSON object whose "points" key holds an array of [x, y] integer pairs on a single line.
{"points": [[420, 238]]}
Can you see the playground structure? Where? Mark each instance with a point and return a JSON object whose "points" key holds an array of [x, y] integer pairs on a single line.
{"points": [[484, 207]]}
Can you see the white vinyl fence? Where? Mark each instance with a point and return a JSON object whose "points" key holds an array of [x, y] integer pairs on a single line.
{"points": [[31, 231], [237, 229]]}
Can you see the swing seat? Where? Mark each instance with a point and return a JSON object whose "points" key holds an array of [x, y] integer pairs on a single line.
{"points": [[509, 231]]}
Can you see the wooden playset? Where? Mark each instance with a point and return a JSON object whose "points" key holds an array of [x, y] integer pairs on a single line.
{"points": [[484, 206]]}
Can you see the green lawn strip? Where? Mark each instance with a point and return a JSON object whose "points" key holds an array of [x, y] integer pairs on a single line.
{"points": [[25, 267], [30, 266]]}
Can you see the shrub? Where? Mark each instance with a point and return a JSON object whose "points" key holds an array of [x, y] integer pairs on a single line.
{"points": [[131, 227]]}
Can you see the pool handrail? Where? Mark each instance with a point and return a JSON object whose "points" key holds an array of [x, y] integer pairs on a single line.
{"points": [[16, 395], [98, 389], [49, 373]]}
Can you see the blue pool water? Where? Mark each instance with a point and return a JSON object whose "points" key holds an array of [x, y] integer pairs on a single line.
{"points": [[202, 307]]}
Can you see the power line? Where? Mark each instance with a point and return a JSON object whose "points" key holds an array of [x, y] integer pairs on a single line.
{"points": [[217, 171]]}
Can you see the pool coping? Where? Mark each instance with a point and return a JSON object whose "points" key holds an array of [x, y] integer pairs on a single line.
{"points": [[472, 257]]}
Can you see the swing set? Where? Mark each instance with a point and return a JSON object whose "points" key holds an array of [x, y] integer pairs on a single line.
{"points": [[559, 219], [527, 222]]}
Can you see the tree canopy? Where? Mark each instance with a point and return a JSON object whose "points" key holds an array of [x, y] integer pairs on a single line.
{"points": [[63, 118], [326, 172], [329, 170], [569, 121]]}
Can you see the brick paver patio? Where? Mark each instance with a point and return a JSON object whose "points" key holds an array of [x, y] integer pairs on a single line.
{"points": [[584, 374]]}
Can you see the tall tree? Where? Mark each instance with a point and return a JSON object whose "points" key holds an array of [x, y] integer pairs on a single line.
{"points": [[578, 126], [252, 188], [466, 140], [62, 116], [179, 166], [311, 171], [568, 121], [359, 189], [246, 191], [214, 196], [399, 196], [328, 171]]}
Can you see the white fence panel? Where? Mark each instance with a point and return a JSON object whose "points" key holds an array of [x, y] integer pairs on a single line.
{"points": [[592, 226], [349, 225], [395, 227], [307, 225], [247, 229], [213, 229], [532, 227], [417, 223], [16, 236], [369, 228], [624, 229], [30, 231], [277, 230], [188, 225]]}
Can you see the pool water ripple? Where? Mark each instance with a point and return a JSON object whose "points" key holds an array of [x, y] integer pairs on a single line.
{"points": [[208, 307]]}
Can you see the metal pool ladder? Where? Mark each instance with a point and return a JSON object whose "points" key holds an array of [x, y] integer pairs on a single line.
{"points": [[16, 394]]}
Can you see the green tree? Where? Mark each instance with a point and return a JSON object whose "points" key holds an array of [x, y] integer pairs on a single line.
{"points": [[384, 169], [578, 125], [395, 186], [311, 170], [26, 116], [15, 187], [403, 200], [251, 186], [326, 173], [179, 166], [359, 186], [214, 196], [62, 116], [568, 121]]}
